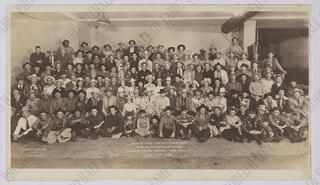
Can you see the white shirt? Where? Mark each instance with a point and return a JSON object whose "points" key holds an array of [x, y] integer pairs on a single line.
{"points": [[22, 124]]}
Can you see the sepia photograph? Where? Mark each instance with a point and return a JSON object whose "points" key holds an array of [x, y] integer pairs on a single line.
{"points": [[199, 88]]}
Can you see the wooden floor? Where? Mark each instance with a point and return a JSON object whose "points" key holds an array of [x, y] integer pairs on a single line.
{"points": [[153, 153]]}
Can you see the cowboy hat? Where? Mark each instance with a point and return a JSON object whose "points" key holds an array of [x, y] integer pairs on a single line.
{"points": [[48, 77], [30, 77], [297, 90], [168, 108], [222, 90], [202, 106], [25, 108], [181, 45]]}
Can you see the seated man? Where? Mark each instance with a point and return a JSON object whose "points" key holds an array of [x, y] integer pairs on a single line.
{"points": [[252, 128], [167, 127], [95, 121], [26, 127], [200, 128], [184, 122], [232, 130], [113, 124]]}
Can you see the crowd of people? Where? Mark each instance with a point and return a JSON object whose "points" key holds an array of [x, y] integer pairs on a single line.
{"points": [[148, 91]]}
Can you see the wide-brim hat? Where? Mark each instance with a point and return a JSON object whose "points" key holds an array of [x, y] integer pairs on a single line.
{"points": [[48, 77], [160, 45], [24, 65], [132, 41], [162, 91], [171, 48], [168, 108], [65, 136], [297, 90], [142, 111], [181, 45], [222, 90], [55, 91], [267, 95], [245, 65], [59, 110], [30, 77], [202, 106], [95, 47]]}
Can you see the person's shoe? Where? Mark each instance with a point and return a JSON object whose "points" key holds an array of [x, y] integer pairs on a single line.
{"points": [[259, 142]]}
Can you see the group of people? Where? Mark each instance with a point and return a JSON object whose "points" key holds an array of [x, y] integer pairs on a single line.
{"points": [[153, 91]]}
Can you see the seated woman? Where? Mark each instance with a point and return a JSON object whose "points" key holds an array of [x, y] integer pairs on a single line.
{"points": [[200, 128], [167, 127], [143, 124], [232, 130]]}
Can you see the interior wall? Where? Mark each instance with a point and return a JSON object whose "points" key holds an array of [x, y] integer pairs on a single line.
{"points": [[49, 35], [194, 37]]}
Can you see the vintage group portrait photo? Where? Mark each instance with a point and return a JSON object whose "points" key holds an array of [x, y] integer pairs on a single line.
{"points": [[158, 92]]}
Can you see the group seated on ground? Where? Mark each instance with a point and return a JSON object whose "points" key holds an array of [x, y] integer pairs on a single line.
{"points": [[137, 91]]}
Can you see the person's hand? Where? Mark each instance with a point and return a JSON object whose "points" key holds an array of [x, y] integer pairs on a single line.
{"points": [[161, 135]]}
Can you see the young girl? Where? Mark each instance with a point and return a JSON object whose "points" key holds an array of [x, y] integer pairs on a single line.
{"points": [[143, 124]]}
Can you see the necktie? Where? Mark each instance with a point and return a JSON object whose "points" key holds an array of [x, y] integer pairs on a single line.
{"points": [[27, 124]]}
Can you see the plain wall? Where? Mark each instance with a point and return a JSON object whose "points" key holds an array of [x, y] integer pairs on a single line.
{"points": [[26, 35]]}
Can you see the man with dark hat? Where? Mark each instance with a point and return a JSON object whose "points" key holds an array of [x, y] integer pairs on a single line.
{"points": [[167, 127], [113, 123], [200, 129], [57, 102]]}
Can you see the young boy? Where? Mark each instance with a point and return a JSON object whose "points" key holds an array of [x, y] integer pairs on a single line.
{"points": [[184, 121], [154, 126], [167, 126]]}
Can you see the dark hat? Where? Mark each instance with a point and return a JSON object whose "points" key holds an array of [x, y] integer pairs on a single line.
{"points": [[84, 43], [266, 95], [102, 56], [99, 76], [168, 108], [24, 65], [66, 41], [107, 45], [113, 107], [252, 111], [43, 111], [162, 91], [69, 63], [275, 108], [155, 117], [95, 47], [131, 54], [195, 54], [218, 64], [142, 111], [202, 106], [181, 45], [245, 65], [82, 91], [132, 41], [94, 107], [56, 91], [89, 51], [171, 48]]}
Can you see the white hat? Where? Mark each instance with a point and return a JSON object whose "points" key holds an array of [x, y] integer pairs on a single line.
{"points": [[48, 77], [222, 90]]}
